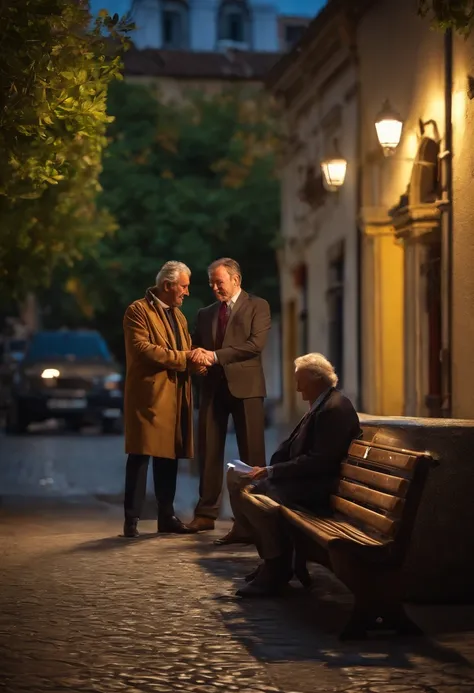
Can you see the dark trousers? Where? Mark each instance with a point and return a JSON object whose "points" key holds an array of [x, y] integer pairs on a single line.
{"points": [[165, 472], [259, 519], [249, 422]]}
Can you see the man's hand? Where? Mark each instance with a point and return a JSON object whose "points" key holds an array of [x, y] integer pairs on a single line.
{"points": [[258, 473], [196, 369], [202, 357]]}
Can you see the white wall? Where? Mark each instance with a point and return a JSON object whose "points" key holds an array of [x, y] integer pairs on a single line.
{"points": [[147, 18], [264, 19], [203, 24]]}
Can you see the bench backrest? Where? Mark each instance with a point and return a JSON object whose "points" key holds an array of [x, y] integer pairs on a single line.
{"points": [[380, 489]]}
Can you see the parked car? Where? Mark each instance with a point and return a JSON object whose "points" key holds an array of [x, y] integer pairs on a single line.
{"points": [[67, 374]]}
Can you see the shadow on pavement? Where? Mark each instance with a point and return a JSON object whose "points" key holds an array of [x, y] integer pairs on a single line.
{"points": [[303, 625], [108, 543]]}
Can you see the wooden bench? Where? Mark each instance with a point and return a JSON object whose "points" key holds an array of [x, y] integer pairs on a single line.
{"points": [[365, 541]]}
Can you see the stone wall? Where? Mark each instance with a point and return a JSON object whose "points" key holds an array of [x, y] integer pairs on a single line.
{"points": [[440, 563]]}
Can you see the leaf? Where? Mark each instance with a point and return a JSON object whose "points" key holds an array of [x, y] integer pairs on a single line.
{"points": [[53, 136]]}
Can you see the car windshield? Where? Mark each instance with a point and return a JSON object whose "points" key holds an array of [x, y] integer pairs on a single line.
{"points": [[67, 346]]}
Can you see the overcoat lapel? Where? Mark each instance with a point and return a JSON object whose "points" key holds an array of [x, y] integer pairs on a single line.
{"points": [[184, 334], [160, 321]]}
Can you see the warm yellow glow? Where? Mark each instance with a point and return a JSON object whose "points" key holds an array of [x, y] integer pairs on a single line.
{"points": [[459, 106], [334, 172], [50, 373], [459, 122], [389, 132], [388, 125], [411, 143], [383, 325]]}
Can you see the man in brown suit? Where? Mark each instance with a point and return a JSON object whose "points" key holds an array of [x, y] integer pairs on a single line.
{"points": [[158, 397], [229, 338]]}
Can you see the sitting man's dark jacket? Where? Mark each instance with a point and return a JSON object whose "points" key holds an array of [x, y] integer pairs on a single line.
{"points": [[305, 467]]}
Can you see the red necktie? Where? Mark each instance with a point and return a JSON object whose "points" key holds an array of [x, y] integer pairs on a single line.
{"points": [[222, 320]]}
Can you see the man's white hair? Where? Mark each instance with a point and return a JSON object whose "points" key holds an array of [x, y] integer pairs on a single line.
{"points": [[170, 272], [319, 366]]}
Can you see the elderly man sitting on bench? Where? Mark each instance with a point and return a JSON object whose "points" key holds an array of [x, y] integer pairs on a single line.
{"points": [[302, 472]]}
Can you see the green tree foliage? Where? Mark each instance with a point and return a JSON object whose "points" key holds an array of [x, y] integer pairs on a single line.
{"points": [[55, 69], [457, 15], [192, 181]]}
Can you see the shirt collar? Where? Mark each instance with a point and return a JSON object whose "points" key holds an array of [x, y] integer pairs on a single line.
{"points": [[320, 399], [234, 298], [164, 305]]}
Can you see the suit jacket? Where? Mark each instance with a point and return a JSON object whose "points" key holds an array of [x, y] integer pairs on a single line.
{"points": [[158, 397], [240, 357], [306, 465]]}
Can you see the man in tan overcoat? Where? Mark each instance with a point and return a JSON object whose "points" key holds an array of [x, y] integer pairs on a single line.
{"points": [[158, 396]]}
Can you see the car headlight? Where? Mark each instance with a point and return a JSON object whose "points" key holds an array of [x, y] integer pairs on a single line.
{"points": [[49, 373], [112, 381]]}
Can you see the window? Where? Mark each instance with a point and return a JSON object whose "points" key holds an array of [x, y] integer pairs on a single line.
{"points": [[234, 27], [174, 20], [234, 23]]}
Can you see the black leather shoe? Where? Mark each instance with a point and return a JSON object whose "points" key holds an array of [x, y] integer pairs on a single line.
{"points": [[173, 525], [130, 528], [251, 576], [271, 580], [253, 590]]}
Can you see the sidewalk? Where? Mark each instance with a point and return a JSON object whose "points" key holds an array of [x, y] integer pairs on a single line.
{"points": [[84, 610]]}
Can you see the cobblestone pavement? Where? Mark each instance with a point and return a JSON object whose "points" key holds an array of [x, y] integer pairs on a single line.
{"points": [[50, 463], [84, 610]]}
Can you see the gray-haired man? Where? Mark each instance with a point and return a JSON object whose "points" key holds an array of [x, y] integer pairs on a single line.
{"points": [[158, 397], [302, 472]]}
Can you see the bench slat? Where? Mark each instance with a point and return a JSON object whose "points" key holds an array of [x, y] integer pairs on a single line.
{"points": [[366, 495], [385, 458], [381, 523], [324, 530], [386, 482]]}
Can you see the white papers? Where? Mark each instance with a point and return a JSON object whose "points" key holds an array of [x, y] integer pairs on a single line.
{"points": [[239, 466]]}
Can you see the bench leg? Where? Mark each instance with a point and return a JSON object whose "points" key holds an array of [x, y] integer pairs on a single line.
{"points": [[397, 619], [378, 598], [367, 618]]}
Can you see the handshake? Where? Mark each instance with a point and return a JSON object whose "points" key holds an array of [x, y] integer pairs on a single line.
{"points": [[200, 360]]}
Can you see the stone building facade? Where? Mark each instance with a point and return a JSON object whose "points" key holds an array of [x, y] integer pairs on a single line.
{"points": [[405, 219]]}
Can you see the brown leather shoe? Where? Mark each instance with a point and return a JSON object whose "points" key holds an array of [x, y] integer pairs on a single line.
{"points": [[233, 537], [201, 524]]}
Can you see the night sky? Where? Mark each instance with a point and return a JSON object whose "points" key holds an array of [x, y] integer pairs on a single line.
{"points": [[306, 8]]}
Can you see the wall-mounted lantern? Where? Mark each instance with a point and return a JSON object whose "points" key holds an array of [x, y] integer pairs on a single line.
{"points": [[334, 169], [388, 125]]}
